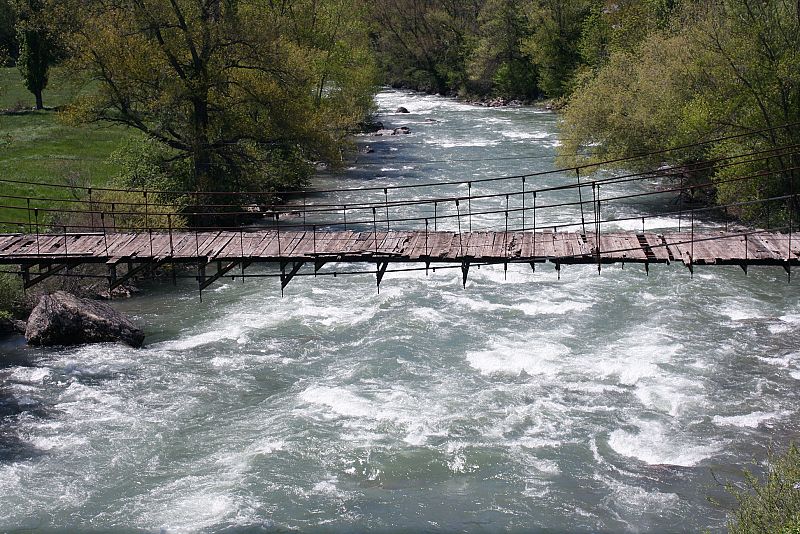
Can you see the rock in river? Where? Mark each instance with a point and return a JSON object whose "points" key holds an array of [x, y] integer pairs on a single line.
{"points": [[64, 319]]}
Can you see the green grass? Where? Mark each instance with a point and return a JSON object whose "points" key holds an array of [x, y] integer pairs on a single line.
{"points": [[38, 146]]}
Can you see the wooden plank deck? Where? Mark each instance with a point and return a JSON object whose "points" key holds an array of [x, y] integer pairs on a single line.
{"points": [[702, 248]]}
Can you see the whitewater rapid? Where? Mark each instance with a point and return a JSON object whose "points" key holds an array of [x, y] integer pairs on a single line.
{"points": [[585, 403]]}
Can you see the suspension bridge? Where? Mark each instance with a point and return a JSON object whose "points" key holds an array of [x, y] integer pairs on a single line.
{"points": [[581, 215]]}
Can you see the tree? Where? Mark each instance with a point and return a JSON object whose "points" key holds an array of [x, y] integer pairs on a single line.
{"points": [[237, 88], [36, 47], [702, 70], [424, 43], [497, 63], [9, 50], [554, 43]]}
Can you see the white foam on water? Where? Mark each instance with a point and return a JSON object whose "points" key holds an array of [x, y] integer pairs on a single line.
{"points": [[750, 420], [327, 487], [494, 120], [457, 459], [791, 318], [651, 224], [779, 328], [195, 511], [545, 467], [537, 358], [636, 356], [739, 309], [231, 332], [62, 442], [541, 307], [28, 375], [656, 444], [640, 500], [525, 135], [474, 142], [669, 393], [338, 401]]}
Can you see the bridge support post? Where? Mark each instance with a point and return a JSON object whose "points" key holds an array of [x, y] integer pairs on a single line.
{"points": [[380, 271], [464, 272], [287, 277]]}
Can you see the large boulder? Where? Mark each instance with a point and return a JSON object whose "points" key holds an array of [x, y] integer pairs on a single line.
{"points": [[64, 319]]}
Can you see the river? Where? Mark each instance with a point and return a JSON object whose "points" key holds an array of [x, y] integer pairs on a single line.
{"points": [[587, 402]]}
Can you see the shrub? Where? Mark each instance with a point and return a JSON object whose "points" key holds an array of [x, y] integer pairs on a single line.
{"points": [[772, 505], [11, 294]]}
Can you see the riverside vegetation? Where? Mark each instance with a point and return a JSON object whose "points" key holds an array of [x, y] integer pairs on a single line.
{"points": [[249, 95]]}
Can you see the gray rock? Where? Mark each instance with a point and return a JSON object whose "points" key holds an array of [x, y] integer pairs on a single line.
{"points": [[401, 109], [380, 133], [64, 319], [403, 130]]}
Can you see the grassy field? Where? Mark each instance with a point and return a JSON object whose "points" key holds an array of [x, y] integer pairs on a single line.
{"points": [[39, 147]]}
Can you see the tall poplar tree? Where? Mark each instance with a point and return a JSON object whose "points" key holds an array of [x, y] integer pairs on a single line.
{"points": [[36, 47]]}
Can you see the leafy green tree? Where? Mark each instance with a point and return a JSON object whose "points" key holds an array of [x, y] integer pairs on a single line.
{"points": [[9, 50], [554, 42], [37, 49], [702, 70], [497, 63], [751, 67], [424, 43], [232, 87]]}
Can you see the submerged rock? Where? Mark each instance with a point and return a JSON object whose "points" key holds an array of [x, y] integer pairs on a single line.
{"points": [[401, 109], [402, 130], [64, 319]]}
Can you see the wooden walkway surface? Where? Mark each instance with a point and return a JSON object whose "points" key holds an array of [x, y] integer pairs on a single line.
{"points": [[700, 248]]}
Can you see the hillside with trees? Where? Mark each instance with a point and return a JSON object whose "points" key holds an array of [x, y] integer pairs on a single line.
{"points": [[251, 94]]}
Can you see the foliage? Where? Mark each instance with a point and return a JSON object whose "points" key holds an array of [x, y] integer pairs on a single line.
{"points": [[423, 43], [772, 505], [497, 63], [554, 43], [635, 103], [9, 48], [228, 87], [11, 295], [513, 48], [127, 211], [699, 70], [37, 48]]}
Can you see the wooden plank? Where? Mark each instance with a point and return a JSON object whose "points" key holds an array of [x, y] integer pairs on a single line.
{"points": [[251, 240], [9, 242], [656, 247], [323, 239], [120, 242], [184, 243], [295, 240], [233, 249], [346, 243]]}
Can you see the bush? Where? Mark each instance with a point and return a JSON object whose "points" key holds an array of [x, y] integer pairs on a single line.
{"points": [[11, 295], [771, 506]]}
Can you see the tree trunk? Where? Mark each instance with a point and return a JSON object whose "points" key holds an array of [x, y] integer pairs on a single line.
{"points": [[39, 101]]}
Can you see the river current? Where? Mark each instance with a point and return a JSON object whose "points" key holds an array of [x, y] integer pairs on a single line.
{"points": [[608, 402]]}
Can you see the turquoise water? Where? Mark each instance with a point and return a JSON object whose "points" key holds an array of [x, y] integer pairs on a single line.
{"points": [[589, 403]]}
